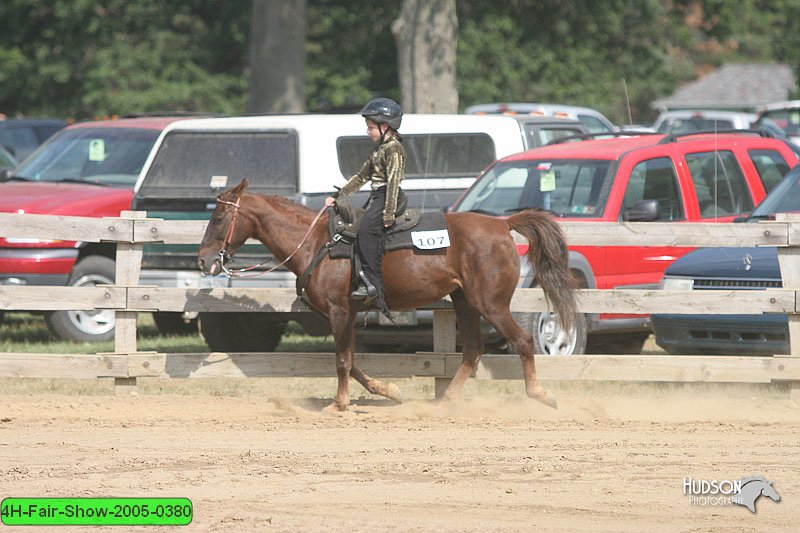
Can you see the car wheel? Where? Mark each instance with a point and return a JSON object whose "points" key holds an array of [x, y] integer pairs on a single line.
{"points": [[241, 332], [549, 337], [87, 325], [174, 324], [620, 343]]}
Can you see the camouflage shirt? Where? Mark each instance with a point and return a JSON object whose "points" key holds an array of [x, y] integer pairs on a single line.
{"points": [[385, 166]]}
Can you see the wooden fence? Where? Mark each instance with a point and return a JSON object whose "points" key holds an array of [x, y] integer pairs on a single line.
{"points": [[133, 229]]}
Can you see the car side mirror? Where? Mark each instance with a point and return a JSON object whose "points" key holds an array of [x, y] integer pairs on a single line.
{"points": [[5, 174], [643, 211]]}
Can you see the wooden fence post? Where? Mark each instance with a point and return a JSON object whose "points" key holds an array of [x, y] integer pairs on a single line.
{"points": [[444, 341], [129, 265], [789, 260]]}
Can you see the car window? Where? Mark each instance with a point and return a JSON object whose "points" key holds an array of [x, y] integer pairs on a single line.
{"points": [[540, 136], [20, 141], [189, 163], [6, 160], [568, 187], [771, 167], [719, 183], [786, 119], [685, 125], [462, 155], [785, 198], [109, 156], [655, 179], [593, 124]]}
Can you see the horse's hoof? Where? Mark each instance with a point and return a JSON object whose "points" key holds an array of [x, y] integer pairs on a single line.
{"points": [[334, 408], [545, 396], [393, 392]]}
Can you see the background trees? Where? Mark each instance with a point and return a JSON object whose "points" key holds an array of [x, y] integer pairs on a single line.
{"points": [[84, 58]]}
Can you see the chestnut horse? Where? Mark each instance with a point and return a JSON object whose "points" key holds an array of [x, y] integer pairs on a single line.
{"points": [[479, 270]]}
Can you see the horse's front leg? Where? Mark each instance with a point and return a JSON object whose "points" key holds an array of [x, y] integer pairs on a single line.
{"points": [[344, 337]]}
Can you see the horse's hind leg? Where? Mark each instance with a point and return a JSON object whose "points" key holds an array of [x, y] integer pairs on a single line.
{"points": [[469, 329], [388, 390], [504, 322]]}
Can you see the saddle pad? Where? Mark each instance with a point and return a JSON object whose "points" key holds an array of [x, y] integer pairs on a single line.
{"points": [[398, 238]]}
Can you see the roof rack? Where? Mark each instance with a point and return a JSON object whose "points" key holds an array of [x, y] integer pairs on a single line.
{"points": [[672, 137], [587, 136]]}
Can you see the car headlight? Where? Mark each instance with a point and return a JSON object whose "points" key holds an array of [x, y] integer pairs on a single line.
{"points": [[676, 284]]}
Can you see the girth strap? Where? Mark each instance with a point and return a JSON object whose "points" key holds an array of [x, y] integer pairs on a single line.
{"points": [[302, 280]]}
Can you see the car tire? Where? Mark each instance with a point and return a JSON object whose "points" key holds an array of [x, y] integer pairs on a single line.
{"points": [[241, 332], [86, 325], [549, 338], [619, 343], [174, 324]]}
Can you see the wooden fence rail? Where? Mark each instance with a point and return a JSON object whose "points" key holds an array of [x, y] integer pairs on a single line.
{"points": [[133, 229]]}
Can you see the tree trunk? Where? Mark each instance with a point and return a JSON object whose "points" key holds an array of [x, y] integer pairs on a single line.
{"points": [[426, 36], [277, 57]]}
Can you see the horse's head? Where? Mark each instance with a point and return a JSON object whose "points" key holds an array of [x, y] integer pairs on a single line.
{"points": [[225, 233]]}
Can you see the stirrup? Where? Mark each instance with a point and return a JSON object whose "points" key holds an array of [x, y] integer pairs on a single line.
{"points": [[364, 292]]}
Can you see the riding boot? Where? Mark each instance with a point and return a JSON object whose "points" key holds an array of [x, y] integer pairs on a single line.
{"points": [[366, 290]]}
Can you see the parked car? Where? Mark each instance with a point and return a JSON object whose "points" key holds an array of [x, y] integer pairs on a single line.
{"points": [[685, 120], [688, 177], [594, 121], [22, 136], [304, 157], [749, 268], [782, 115], [87, 169]]}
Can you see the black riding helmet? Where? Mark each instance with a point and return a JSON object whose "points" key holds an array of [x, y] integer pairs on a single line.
{"points": [[384, 111]]}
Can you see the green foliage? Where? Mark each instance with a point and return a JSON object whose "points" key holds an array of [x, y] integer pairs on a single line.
{"points": [[82, 58], [350, 53]]}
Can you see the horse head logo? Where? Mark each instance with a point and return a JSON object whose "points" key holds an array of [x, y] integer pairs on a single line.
{"points": [[752, 488]]}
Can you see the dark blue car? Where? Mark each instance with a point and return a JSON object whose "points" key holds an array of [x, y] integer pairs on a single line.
{"points": [[731, 268]]}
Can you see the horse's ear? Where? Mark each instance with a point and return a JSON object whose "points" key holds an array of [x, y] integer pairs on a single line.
{"points": [[239, 189]]}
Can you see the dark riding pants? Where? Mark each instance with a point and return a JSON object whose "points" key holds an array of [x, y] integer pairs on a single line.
{"points": [[369, 241]]}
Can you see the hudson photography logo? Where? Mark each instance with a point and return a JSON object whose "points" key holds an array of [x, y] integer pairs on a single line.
{"points": [[725, 492]]}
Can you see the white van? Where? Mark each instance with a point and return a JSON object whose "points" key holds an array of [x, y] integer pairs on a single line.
{"points": [[302, 157]]}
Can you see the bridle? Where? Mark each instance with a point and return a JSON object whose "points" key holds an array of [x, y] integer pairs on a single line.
{"points": [[225, 255]]}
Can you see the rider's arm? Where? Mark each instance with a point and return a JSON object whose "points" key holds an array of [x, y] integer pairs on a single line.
{"points": [[395, 172], [356, 181]]}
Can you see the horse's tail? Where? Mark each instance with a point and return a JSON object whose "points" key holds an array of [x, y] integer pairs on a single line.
{"points": [[549, 256]]}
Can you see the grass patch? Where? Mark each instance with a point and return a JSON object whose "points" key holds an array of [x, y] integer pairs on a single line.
{"points": [[28, 333]]}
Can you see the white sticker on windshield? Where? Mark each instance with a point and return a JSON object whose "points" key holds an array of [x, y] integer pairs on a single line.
{"points": [[97, 150], [431, 240], [218, 182]]}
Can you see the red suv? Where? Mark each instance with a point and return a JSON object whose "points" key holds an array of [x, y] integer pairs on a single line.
{"points": [[650, 177], [87, 169]]}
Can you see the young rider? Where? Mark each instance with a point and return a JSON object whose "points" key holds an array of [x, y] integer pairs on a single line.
{"points": [[385, 169]]}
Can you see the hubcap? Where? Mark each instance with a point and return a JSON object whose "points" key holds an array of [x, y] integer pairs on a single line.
{"points": [[553, 338], [94, 322]]}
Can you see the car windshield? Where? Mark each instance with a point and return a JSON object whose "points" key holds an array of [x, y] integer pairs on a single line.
{"points": [[574, 188], [784, 198], [103, 156], [6, 160]]}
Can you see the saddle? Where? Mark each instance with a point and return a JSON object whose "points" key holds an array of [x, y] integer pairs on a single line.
{"points": [[343, 228]]}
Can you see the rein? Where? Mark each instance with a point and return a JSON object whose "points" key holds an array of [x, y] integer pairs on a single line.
{"points": [[224, 254]]}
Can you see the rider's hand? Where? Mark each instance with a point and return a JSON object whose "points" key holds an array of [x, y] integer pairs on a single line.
{"points": [[330, 201]]}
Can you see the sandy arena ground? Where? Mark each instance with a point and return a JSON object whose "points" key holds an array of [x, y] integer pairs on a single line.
{"points": [[264, 458]]}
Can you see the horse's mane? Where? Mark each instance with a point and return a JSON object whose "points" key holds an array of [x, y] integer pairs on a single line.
{"points": [[291, 207]]}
